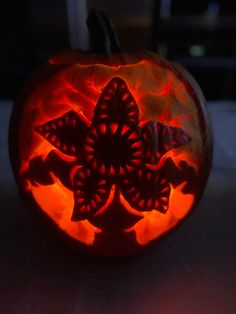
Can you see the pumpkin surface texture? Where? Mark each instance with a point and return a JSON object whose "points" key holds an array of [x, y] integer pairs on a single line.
{"points": [[113, 151]]}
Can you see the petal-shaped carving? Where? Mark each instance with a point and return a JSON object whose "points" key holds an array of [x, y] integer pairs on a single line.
{"points": [[147, 190], [66, 132], [116, 104], [91, 193], [150, 141], [160, 138], [117, 218]]}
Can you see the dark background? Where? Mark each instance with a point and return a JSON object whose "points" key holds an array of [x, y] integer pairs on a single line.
{"points": [[193, 270], [198, 33]]}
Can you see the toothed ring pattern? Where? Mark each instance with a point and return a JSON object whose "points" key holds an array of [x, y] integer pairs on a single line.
{"points": [[115, 149]]}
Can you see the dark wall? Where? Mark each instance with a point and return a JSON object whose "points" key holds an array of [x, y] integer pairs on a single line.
{"points": [[32, 30]]}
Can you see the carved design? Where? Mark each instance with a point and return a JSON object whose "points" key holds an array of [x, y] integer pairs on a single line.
{"points": [[147, 190], [91, 192], [66, 133], [113, 150]]}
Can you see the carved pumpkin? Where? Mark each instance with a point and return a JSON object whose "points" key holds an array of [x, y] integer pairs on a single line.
{"points": [[113, 150]]}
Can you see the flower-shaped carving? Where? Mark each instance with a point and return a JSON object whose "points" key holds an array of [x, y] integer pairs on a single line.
{"points": [[115, 149]]}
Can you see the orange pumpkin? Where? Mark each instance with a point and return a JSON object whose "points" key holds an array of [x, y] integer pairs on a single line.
{"points": [[113, 150]]}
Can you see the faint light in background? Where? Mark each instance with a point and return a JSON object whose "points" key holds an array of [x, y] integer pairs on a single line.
{"points": [[76, 15], [197, 50], [213, 8]]}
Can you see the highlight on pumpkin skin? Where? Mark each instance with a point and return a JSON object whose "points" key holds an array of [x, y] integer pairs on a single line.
{"points": [[155, 96]]}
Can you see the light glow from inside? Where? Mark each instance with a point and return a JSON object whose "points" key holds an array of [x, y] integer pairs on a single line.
{"points": [[160, 95]]}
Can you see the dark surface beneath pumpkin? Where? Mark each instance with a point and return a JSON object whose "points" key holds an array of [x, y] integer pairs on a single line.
{"points": [[191, 271]]}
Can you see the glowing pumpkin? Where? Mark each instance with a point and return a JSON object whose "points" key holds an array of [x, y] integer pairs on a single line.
{"points": [[114, 150]]}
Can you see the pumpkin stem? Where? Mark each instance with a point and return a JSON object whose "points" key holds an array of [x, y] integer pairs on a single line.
{"points": [[103, 38]]}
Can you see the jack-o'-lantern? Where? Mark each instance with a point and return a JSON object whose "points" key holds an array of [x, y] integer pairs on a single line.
{"points": [[113, 150]]}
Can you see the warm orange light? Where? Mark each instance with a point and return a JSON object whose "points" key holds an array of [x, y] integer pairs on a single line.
{"points": [[155, 224], [57, 202], [161, 96]]}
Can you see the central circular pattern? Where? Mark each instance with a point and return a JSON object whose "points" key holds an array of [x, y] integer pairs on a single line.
{"points": [[113, 148], [118, 152]]}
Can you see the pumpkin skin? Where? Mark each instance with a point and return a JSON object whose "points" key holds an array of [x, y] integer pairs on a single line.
{"points": [[113, 151]]}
